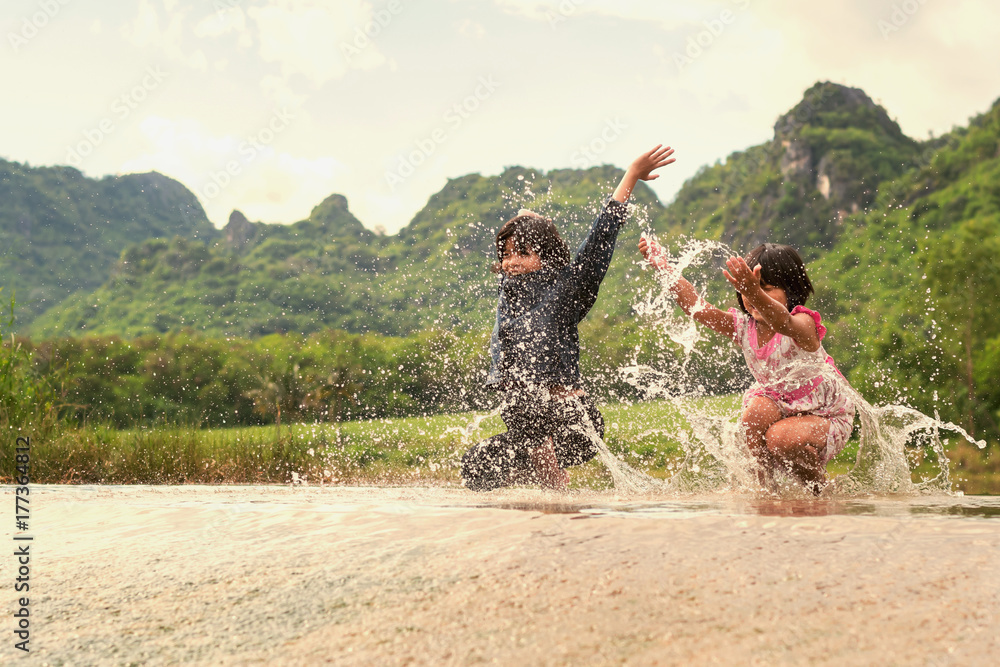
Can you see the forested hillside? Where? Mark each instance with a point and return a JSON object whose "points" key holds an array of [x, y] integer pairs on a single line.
{"points": [[257, 279], [828, 157], [825, 163], [61, 232], [914, 283], [329, 271]]}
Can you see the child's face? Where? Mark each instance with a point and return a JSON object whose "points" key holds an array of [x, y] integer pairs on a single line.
{"points": [[776, 293], [516, 263]]}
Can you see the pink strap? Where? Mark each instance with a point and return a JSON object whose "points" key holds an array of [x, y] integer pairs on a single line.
{"points": [[820, 329]]}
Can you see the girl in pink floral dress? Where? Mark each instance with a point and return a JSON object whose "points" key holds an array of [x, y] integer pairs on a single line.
{"points": [[799, 413]]}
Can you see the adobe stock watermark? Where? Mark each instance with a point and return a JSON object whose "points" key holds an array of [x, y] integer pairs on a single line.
{"points": [[565, 10], [363, 35], [32, 25], [121, 108], [700, 42], [249, 149], [453, 118], [899, 17], [587, 155]]}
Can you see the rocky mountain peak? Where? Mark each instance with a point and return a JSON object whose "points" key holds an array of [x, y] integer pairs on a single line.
{"points": [[829, 104], [822, 136], [239, 231], [333, 215]]}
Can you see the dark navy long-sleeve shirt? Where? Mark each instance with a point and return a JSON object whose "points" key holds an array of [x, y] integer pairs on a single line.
{"points": [[535, 339]]}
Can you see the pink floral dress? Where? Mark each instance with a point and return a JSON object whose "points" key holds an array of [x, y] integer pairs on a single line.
{"points": [[799, 382]]}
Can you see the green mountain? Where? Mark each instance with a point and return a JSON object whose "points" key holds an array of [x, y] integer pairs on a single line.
{"points": [[258, 279], [914, 283], [328, 271], [61, 232], [827, 159]]}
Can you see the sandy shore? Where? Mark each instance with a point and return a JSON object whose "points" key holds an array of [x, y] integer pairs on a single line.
{"points": [[235, 575]]}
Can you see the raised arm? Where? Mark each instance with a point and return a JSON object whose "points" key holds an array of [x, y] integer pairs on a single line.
{"points": [[641, 170], [684, 293], [594, 256], [801, 327]]}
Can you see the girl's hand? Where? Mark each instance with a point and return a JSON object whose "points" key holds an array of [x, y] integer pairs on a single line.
{"points": [[654, 254], [740, 276], [643, 166], [641, 170]]}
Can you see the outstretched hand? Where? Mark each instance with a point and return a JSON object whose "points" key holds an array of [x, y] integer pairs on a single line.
{"points": [[644, 165], [642, 169], [741, 276], [653, 252]]}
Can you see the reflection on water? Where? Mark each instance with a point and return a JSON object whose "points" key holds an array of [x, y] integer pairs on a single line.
{"points": [[978, 507], [983, 511], [237, 502]]}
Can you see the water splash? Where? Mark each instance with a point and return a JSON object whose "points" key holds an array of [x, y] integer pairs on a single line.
{"points": [[714, 456]]}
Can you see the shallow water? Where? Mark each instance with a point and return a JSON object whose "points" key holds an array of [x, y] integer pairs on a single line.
{"points": [[418, 575], [403, 499], [975, 507]]}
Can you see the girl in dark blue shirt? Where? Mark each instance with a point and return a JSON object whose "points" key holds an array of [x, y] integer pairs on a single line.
{"points": [[535, 347]]}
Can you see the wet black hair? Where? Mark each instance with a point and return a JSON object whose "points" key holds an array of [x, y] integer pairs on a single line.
{"points": [[781, 266], [530, 230]]}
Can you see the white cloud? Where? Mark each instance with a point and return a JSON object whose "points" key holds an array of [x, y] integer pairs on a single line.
{"points": [[318, 41], [669, 15], [145, 31], [224, 21], [470, 28], [967, 24], [228, 172], [278, 89]]}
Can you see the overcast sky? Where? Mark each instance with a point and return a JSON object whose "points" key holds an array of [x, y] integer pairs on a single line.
{"points": [[270, 106]]}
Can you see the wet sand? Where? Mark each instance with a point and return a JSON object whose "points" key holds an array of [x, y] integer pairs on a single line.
{"points": [[238, 575]]}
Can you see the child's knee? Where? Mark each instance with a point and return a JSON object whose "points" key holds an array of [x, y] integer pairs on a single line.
{"points": [[798, 431], [760, 412], [793, 442], [756, 421], [780, 438]]}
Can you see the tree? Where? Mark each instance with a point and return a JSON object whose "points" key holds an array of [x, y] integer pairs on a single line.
{"points": [[963, 276]]}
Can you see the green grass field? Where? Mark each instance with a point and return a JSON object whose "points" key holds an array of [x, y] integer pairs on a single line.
{"points": [[425, 450], [384, 451]]}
